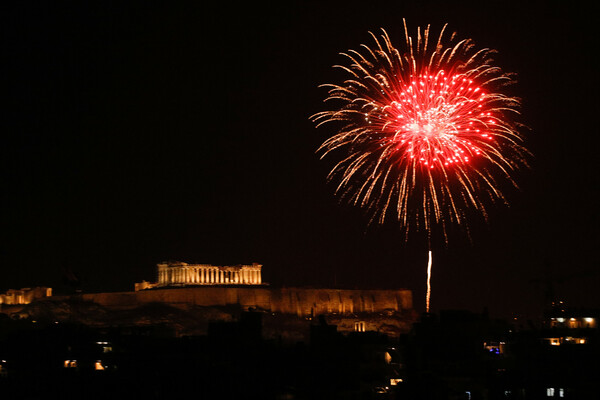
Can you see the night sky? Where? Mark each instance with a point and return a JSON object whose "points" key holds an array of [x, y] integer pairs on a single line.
{"points": [[135, 133]]}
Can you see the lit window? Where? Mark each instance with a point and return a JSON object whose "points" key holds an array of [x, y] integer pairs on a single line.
{"points": [[573, 323], [549, 392], [575, 340], [98, 365], [561, 392], [395, 381], [70, 364]]}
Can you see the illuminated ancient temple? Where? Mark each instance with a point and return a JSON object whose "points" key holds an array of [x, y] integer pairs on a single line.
{"points": [[176, 273]]}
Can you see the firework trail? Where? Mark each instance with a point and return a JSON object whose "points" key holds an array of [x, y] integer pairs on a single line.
{"points": [[428, 292], [425, 132]]}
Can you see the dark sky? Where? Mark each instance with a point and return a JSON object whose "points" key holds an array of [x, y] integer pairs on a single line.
{"points": [[140, 132]]}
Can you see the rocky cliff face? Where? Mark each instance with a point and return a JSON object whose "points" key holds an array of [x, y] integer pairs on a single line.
{"points": [[286, 313]]}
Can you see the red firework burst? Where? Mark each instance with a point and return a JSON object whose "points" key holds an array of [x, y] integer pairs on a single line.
{"points": [[424, 132]]}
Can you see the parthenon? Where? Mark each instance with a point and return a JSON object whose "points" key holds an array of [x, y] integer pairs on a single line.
{"points": [[176, 273]]}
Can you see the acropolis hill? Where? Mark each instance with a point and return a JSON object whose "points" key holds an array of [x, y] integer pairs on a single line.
{"points": [[200, 288]]}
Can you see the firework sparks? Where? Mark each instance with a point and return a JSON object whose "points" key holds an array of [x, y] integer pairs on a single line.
{"points": [[425, 131]]}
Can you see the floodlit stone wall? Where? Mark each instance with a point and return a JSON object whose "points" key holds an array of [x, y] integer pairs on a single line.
{"points": [[298, 301], [25, 295]]}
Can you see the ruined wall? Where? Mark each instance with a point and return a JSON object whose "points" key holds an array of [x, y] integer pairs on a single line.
{"points": [[302, 301], [25, 295], [298, 301]]}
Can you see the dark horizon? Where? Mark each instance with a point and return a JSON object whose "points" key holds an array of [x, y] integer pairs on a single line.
{"points": [[138, 133]]}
